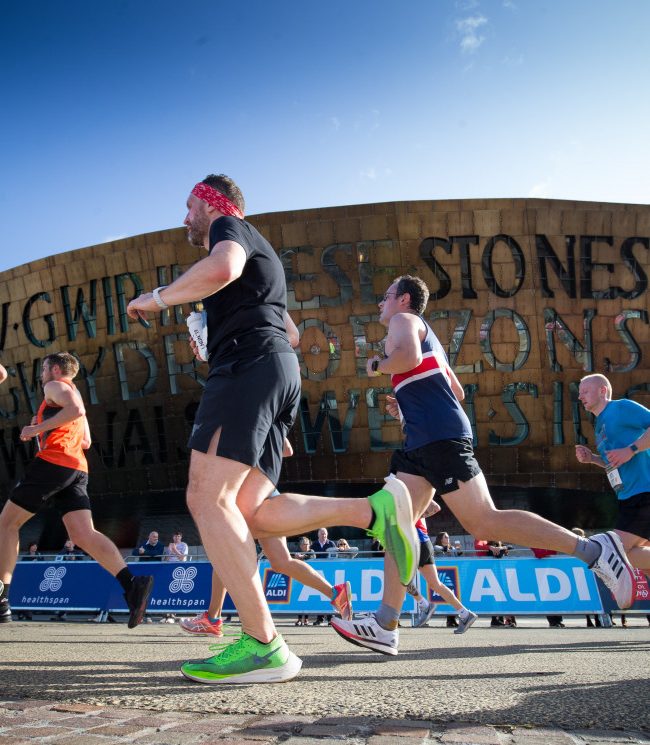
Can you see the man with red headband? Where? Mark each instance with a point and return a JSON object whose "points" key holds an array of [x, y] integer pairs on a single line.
{"points": [[247, 408]]}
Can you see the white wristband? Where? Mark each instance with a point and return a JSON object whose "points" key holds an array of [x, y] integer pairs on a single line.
{"points": [[159, 301]]}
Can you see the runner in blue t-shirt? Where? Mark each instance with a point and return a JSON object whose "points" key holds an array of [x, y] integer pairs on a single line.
{"points": [[622, 430]]}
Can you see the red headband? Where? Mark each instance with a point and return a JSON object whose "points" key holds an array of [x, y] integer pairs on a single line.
{"points": [[214, 198]]}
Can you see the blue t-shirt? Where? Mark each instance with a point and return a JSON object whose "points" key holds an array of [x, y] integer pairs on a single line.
{"points": [[618, 425]]}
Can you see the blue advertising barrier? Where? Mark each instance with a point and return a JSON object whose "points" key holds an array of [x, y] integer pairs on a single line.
{"points": [[524, 586], [366, 577], [554, 585], [84, 585]]}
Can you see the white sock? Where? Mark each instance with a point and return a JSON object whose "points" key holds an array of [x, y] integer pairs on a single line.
{"points": [[423, 604], [463, 613]]}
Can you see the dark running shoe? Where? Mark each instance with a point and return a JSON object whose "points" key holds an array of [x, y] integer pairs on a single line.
{"points": [[137, 597], [5, 611]]}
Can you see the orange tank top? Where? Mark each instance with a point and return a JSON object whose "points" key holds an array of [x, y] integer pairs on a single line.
{"points": [[62, 446]]}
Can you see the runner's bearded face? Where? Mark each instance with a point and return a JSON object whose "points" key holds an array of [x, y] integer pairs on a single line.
{"points": [[197, 221]]}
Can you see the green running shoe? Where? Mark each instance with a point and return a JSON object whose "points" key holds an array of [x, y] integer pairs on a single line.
{"points": [[394, 526], [246, 661]]}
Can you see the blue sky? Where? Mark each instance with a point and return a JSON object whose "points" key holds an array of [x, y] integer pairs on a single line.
{"points": [[112, 110]]}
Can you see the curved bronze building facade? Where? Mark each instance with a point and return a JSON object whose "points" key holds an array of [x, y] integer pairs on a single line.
{"points": [[527, 295]]}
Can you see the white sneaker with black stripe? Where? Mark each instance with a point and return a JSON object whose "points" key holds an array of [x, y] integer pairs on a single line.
{"points": [[366, 632], [613, 567]]}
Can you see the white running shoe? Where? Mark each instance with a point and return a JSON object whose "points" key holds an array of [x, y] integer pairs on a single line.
{"points": [[613, 567], [366, 632], [464, 624]]}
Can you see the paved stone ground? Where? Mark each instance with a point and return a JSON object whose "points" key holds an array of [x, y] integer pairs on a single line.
{"points": [[78, 683]]}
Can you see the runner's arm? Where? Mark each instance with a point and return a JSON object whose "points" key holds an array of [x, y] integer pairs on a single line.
{"points": [[87, 440], [456, 385], [403, 350], [224, 265], [72, 407], [292, 330]]}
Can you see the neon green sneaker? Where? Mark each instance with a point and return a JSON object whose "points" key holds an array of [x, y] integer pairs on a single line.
{"points": [[394, 526], [246, 661]]}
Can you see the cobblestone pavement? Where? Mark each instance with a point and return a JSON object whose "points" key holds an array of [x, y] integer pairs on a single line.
{"points": [[83, 683]]}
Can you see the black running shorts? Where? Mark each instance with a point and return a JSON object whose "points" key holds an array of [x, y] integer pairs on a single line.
{"points": [[426, 553], [48, 485], [254, 402], [634, 515], [443, 463]]}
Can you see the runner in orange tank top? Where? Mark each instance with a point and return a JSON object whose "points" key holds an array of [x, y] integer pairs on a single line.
{"points": [[64, 445], [58, 477]]}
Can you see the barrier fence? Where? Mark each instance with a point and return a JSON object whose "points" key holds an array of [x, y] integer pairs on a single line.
{"points": [[510, 586]]}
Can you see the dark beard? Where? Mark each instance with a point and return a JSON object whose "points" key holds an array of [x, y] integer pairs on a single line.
{"points": [[197, 231], [194, 238]]}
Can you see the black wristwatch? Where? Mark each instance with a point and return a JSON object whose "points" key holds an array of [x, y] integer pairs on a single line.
{"points": [[634, 448]]}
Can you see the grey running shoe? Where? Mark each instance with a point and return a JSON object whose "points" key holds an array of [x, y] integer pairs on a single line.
{"points": [[5, 611], [422, 615], [464, 624], [614, 569], [366, 632]]}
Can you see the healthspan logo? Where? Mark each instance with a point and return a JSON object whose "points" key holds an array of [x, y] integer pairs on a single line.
{"points": [[182, 582], [52, 582], [52, 579], [183, 579]]}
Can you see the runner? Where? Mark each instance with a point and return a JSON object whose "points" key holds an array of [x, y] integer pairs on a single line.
{"points": [[622, 429], [58, 478], [428, 570], [247, 407], [438, 455]]}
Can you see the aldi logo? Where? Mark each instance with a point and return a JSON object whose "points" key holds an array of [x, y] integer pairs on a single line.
{"points": [[277, 587], [448, 577]]}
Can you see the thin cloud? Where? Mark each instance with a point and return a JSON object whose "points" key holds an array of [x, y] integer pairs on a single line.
{"points": [[513, 61], [335, 122], [468, 27], [541, 190]]}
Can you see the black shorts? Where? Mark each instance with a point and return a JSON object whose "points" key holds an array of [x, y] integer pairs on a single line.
{"points": [[426, 553], [634, 515], [443, 463], [47, 485], [254, 402]]}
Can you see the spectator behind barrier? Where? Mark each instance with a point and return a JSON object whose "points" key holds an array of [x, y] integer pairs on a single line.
{"points": [[322, 544], [151, 550], [69, 552], [177, 550], [33, 554], [304, 553], [481, 547], [497, 550], [442, 545], [343, 550]]}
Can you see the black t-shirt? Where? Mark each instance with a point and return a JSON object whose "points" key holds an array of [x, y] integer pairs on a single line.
{"points": [[246, 318]]}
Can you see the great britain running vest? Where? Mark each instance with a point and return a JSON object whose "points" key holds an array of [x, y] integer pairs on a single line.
{"points": [[430, 411], [422, 530], [62, 446]]}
